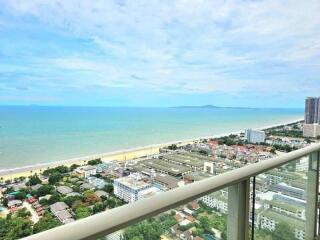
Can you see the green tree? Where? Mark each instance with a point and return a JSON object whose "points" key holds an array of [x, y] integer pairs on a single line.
{"points": [[110, 203], [108, 188], [54, 178], [198, 232], [205, 223], [173, 147], [283, 232], [98, 207], [21, 195], [82, 212], [59, 169], [34, 180], [94, 162], [23, 213], [4, 202], [54, 198], [45, 223], [44, 190], [15, 228], [90, 197], [145, 230], [73, 167], [71, 199], [137, 238]]}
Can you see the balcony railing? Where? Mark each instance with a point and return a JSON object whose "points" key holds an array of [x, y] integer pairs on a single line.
{"points": [[238, 219]]}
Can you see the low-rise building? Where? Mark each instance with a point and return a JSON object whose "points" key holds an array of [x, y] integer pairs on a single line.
{"points": [[96, 182], [269, 219], [167, 182], [73, 194], [14, 203], [86, 171], [101, 193], [217, 200], [60, 210], [288, 190], [282, 207], [86, 186], [64, 190]]}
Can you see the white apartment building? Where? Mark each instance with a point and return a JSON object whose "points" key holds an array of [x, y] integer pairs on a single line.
{"points": [[254, 136], [217, 200], [311, 130], [130, 188], [269, 219]]}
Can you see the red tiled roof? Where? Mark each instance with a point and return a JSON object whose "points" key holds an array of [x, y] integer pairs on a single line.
{"points": [[190, 218], [198, 238], [195, 205], [178, 217]]}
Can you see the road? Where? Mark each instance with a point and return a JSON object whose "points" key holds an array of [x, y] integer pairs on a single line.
{"points": [[34, 216]]}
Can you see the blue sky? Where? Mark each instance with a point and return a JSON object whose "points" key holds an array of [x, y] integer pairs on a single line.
{"points": [[261, 53]]}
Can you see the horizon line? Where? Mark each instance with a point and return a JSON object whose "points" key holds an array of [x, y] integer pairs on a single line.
{"points": [[205, 106]]}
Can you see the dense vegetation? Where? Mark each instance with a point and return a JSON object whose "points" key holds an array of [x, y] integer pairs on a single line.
{"points": [[173, 147], [150, 229], [230, 140], [286, 133], [284, 148], [94, 162]]}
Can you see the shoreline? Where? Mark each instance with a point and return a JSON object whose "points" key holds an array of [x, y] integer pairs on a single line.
{"points": [[119, 155]]}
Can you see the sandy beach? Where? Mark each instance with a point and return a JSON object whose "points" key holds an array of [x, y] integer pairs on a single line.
{"points": [[121, 155]]}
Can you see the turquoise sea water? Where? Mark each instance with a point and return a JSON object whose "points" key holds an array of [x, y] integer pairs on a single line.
{"points": [[30, 135]]}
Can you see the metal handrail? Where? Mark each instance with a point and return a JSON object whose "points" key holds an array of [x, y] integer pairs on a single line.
{"points": [[107, 222]]}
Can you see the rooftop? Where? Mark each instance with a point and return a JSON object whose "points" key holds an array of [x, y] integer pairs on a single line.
{"points": [[64, 190], [133, 181], [58, 206]]}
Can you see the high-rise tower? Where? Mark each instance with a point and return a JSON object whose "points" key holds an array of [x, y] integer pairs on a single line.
{"points": [[312, 110], [311, 127]]}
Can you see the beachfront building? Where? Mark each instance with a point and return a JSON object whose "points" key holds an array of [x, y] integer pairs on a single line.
{"points": [[312, 110], [311, 128], [254, 136], [130, 187], [86, 171]]}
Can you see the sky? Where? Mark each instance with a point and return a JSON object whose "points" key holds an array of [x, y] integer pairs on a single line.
{"points": [[258, 53]]}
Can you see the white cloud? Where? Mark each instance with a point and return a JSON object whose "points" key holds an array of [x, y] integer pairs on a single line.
{"points": [[184, 45]]}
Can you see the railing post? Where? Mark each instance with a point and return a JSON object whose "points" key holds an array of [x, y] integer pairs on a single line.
{"points": [[312, 196], [238, 211]]}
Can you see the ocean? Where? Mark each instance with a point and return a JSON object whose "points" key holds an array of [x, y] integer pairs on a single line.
{"points": [[31, 135]]}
